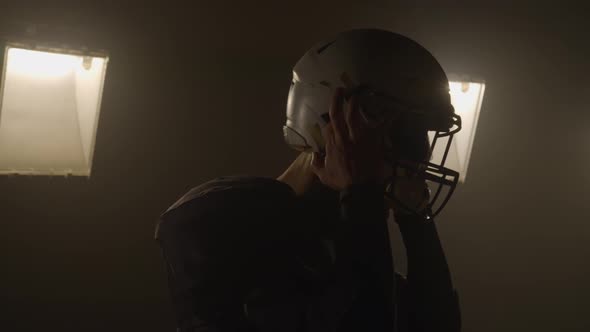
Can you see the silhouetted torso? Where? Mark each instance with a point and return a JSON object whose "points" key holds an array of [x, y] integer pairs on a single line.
{"points": [[246, 254]]}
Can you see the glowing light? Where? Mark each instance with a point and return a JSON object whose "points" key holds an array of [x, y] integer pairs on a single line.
{"points": [[41, 64], [466, 98], [50, 104]]}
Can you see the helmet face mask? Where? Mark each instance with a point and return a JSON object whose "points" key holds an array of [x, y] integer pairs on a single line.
{"points": [[407, 91], [440, 180]]}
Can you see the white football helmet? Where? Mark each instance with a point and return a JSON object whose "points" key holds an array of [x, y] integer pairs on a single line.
{"points": [[393, 77]]}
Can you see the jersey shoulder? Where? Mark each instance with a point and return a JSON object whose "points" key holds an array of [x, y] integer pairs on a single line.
{"points": [[250, 189], [230, 197]]}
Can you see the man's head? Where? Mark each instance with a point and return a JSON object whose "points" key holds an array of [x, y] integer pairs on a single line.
{"points": [[398, 85]]}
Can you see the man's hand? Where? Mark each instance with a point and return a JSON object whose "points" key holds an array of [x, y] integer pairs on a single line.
{"points": [[354, 152]]}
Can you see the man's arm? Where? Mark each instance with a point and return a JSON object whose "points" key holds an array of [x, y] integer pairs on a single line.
{"points": [[364, 252], [431, 301]]}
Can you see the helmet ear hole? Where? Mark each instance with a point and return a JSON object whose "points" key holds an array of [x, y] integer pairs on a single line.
{"points": [[372, 110]]}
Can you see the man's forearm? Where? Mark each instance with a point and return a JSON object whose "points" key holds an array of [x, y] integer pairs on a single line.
{"points": [[364, 237], [365, 252], [427, 264], [433, 303]]}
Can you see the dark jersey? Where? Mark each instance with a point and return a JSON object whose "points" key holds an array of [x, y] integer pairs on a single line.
{"points": [[246, 254]]}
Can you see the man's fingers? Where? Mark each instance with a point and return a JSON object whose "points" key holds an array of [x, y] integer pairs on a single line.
{"points": [[330, 143], [328, 134], [354, 119], [337, 118]]}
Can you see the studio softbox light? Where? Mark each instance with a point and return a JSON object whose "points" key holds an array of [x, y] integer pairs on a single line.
{"points": [[49, 109]]}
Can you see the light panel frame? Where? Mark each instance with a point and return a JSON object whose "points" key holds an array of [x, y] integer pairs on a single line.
{"points": [[88, 156]]}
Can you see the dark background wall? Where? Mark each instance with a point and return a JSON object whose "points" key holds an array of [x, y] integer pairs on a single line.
{"points": [[198, 90]]}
